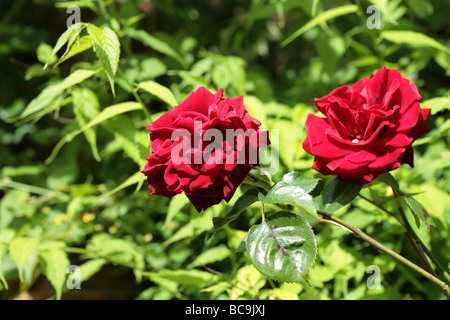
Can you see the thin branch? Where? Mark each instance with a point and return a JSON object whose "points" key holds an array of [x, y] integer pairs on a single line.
{"points": [[360, 234]]}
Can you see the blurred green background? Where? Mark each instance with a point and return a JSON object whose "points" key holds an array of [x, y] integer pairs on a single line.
{"points": [[87, 204]]}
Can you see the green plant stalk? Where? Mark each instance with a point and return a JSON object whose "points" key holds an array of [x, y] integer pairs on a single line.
{"points": [[417, 244], [362, 235], [136, 95]]}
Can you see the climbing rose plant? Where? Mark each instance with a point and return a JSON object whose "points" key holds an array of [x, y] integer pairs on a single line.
{"points": [[206, 147]]}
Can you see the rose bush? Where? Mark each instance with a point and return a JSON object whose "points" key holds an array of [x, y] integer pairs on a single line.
{"points": [[183, 158], [368, 129]]}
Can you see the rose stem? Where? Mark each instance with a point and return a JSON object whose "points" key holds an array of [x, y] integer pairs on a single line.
{"points": [[420, 246], [417, 244], [360, 234]]}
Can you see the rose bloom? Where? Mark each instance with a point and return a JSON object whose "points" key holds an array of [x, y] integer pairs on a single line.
{"points": [[368, 127], [204, 147]]}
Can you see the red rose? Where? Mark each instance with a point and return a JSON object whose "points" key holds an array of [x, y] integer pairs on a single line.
{"points": [[368, 129], [205, 148]]}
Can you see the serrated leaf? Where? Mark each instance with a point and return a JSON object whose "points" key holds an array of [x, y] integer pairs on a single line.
{"points": [[159, 91], [337, 194], [54, 264], [248, 278], [323, 17], [294, 188], [210, 256], [243, 202], [21, 249], [419, 212], [107, 48], [283, 247]]}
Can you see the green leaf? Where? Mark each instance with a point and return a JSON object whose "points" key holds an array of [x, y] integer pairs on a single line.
{"points": [[82, 44], [91, 267], [177, 203], [125, 132], [69, 36], [21, 249], [117, 251], [86, 107], [283, 247], [247, 279], [294, 188], [48, 95], [10, 205], [210, 256], [187, 277], [3, 250], [420, 214], [54, 263], [134, 179], [243, 202], [323, 17], [156, 44], [44, 54], [337, 194], [392, 182], [159, 91], [107, 48], [413, 38], [437, 104], [106, 114]]}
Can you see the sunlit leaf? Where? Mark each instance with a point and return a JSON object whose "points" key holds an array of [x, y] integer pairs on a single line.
{"points": [[283, 247], [107, 48], [21, 249]]}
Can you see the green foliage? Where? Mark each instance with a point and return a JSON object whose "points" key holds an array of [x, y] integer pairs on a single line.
{"points": [[75, 102], [282, 247]]}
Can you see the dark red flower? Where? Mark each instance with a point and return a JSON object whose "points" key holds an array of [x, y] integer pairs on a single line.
{"points": [[368, 127], [204, 147]]}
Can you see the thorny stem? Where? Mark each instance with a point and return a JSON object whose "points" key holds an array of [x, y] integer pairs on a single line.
{"points": [[360, 234], [417, 245]]}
